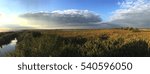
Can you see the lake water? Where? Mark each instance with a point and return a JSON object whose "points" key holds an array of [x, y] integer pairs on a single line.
{"points": [[8, 48]]}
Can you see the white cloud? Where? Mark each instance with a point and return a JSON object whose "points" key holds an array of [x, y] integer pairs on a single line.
{"points": [[67, 18], [133, 13]]}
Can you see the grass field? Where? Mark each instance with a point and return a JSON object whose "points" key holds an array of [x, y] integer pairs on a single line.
{"points": [[83, 43]]}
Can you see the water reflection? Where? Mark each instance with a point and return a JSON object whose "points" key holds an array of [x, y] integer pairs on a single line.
{"points": [[8, 48]]}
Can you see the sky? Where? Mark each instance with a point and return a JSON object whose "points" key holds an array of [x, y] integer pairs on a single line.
{"points": [[102, 7], [55, 14]]}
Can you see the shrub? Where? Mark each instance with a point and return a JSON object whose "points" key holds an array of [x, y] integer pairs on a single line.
{"points": [[132, 49], [74, 40], [104, 37], [43, 46], [99, 48], [70, 51], [136, 30]]}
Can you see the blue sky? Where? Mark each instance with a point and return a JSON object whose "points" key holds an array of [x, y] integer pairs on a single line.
{"points": [[74, 13], [102, 7]]}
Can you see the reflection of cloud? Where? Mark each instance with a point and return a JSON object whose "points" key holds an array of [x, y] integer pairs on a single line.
{"points": [[13, 42], [133, 13], [66, 18]]}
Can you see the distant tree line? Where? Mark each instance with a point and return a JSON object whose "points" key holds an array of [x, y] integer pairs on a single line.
{"points": [[130, 29]]}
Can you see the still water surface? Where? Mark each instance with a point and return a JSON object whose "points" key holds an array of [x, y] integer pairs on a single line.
{"points": [[8, 48]]}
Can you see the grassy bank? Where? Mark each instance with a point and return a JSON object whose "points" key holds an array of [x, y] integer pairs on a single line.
{"points": [[5, 38]]}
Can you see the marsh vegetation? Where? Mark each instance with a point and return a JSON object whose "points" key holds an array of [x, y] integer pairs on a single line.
{"points": [[80, 43]]}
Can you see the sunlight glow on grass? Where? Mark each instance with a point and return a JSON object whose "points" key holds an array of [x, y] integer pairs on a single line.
{"points": [[4, 29]]}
